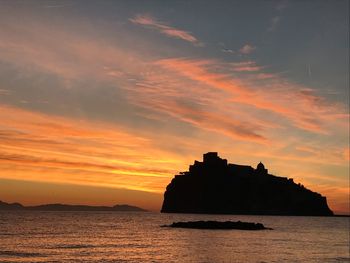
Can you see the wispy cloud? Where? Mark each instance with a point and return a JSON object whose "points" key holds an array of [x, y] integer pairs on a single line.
{"points": [[59, 146], [281, 4], [4, 92], [280, 93], [274, 23], [227, 50], [247, 49], [58, 6], [246, 66], [149, 21], [204, 119]]}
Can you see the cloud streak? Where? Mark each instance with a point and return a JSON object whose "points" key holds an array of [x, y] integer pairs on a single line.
{"points": [[246, 66], [247, 49], [152, 23], [32, 142], [319, 112]]}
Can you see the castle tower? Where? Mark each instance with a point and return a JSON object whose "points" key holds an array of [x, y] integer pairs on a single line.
{"points": [[210, 157], [260, 169]]}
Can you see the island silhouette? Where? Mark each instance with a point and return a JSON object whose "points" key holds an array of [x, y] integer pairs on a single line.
{"points": [[64, 207], [214, 186]]}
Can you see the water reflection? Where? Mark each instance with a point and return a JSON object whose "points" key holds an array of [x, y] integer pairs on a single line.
{"points": [[137, 237]]}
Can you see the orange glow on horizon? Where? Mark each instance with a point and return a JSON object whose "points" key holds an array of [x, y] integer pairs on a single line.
{"points": [[39, 153]]}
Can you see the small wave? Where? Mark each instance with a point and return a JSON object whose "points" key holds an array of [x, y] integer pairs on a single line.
{"points": [[73, 246], [7, 234], [19, 254], [342, 259]]}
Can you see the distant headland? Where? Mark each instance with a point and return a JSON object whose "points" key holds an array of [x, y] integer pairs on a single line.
{"points": [[64, 207], [217, 187]]}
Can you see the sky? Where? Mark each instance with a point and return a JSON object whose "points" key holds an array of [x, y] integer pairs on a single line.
{"points": [[103, 102]]}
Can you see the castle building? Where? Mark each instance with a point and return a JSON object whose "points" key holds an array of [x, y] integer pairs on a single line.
{"points": [[212, 158], [260, 169], [213, 164]]}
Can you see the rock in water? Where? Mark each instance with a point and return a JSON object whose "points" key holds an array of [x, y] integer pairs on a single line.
{"points": [[218, 225], [216, 187]]}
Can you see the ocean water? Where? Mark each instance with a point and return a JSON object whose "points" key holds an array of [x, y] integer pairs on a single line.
{"points": [[35, 236]]}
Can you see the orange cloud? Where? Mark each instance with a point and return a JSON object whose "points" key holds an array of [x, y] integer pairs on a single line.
{"points": [[309, 112], [167, 30], [34, 48], [246, 66], [347, 154], [212, 121], [40, 147]]}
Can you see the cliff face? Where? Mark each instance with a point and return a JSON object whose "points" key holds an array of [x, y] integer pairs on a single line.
{"points": [[216, 187]]}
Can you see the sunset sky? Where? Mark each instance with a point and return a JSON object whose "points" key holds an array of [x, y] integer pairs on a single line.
{"points": [[103, 102]]}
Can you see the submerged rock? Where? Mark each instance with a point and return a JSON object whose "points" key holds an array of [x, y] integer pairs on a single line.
{"points": [[217, 187], [218, 225]]}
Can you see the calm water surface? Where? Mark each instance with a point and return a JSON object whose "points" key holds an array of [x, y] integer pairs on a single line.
{"points": [[137, 237]]}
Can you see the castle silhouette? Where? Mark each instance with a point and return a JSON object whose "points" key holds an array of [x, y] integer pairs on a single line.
{"points": [[213, 165], [215, 186]]}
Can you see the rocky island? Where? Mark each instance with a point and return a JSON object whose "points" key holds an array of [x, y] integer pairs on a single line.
{"points": [[218, 225], [214, 186]]}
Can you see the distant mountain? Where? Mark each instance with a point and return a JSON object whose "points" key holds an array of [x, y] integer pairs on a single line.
{"points": [[64, 207], [216, 187], [13, 206]]}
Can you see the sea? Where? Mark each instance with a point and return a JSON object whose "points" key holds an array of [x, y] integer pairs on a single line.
{"points": [[41, 236]]}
